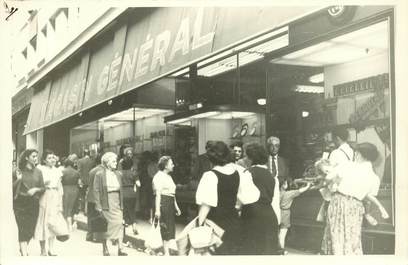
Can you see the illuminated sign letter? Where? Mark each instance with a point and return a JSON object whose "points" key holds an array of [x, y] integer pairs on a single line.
{"points": [[160, 49], [128, 67], [181, 41], [103, 80], [199, 40]]}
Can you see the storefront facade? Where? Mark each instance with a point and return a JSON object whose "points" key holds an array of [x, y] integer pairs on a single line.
{"points": [[234, 78]]}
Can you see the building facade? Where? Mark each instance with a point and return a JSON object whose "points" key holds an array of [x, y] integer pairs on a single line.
{"points": [[169, 79]]}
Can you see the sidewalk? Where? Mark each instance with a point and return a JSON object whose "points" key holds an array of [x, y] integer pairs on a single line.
{"points": [[143, 227]]}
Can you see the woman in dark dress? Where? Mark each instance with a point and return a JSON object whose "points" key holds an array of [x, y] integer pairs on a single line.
{"points": [[70, 179], [130, 182], [27, 189], [260, 224], [219, 193]]}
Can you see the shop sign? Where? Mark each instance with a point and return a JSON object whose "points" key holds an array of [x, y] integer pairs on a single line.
{"points": [[368, 108], [371, 83], [162, 41]]}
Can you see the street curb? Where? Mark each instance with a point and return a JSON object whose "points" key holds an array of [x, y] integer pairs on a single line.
{"points": [[137, 242]]}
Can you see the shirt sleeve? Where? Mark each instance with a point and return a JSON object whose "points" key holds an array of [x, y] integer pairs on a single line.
{"points": [[207, 190], [375, 186], [157, 183], [247, 191]]}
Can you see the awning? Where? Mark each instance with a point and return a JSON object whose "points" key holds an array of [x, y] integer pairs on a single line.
{"points": [[150, 47]]}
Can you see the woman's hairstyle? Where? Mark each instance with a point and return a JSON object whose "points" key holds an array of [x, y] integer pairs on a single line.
{"points": [[219, 154], [68, 163], [236, 144], [163, 162], [257, 154], [368, 151], [122, 150], [126, 163], [342, 133], [108, 156], [45, 154], [22, 161]]}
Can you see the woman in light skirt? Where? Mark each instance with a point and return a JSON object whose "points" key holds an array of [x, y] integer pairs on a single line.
{"points": [[50, 203], [109, 201]]}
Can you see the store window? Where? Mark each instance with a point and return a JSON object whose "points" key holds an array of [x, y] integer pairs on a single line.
{"points": [[142, 128], [339, 82]]}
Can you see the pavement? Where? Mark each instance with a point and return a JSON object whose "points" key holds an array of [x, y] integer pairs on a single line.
{"points": [[137, 241], [77, 246]]}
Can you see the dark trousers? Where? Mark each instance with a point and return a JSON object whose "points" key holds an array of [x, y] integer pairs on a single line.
{"points": [[82, 199], [91, 213]]}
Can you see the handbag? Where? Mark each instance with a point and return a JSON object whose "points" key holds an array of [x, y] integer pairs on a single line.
{"points": [[98, 223], [154, 240], [58, 226], [200, 236]]}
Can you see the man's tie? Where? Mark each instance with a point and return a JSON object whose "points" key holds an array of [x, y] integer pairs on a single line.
{"points": [[273, 166]]}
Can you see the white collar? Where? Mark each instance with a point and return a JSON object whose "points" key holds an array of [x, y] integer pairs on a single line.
{"points": [[344, 145], [261, 166]]}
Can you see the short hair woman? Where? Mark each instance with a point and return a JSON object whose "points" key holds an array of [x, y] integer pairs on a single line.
{"points": [[166, 206], [108, 195]]}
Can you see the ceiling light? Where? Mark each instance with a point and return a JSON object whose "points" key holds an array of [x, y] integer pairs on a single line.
{"points": [[204, 115], [305, 114], [319, 78], [261, 101], [228, 115], [309, 89], [178, 121]]}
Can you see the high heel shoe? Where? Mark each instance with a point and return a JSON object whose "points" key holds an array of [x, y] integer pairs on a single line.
{"points": [[51, 254]]}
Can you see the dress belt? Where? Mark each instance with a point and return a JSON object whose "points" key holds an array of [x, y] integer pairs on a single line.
{"points": [[113, 191]]}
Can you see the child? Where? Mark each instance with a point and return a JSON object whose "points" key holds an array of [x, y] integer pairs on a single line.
{"points": [[286, 199], [328, 185]]}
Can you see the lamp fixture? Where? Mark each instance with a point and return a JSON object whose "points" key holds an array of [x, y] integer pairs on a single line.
{"points": [[309, 89], [305, 114], [261, 101], [318, 78]]}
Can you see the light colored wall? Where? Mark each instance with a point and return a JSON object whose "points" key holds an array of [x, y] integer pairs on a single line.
{"points": [[343, 73]]}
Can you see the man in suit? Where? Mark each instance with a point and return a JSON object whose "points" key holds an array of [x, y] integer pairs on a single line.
{"points": [[277, 165], [85, 164]]}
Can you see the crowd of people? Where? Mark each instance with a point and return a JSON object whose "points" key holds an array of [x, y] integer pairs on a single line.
{"points": [[246, 193]]}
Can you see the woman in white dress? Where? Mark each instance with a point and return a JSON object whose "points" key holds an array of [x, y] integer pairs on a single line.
{"points": [[50, 202], [355, 181]]}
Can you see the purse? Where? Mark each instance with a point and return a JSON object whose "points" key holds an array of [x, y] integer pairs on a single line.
{"points": [[200, 236], [154, 240], [98, 223], [59, 227]]}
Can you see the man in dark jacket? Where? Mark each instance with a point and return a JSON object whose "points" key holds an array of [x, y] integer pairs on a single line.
{"points": [[85, 164]]}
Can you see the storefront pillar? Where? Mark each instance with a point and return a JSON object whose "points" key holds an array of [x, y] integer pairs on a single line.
{"points": [[35, 140], [31, 139]]}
